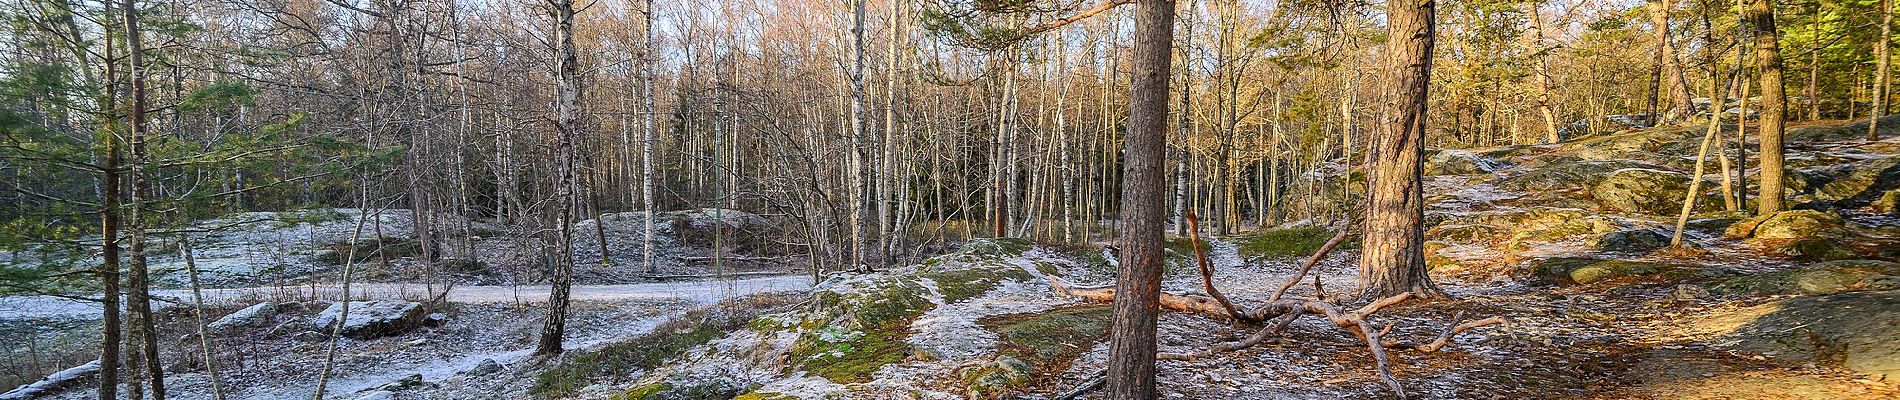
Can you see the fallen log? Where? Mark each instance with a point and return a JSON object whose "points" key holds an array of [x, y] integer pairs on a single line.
{"points": [[51, 383]]}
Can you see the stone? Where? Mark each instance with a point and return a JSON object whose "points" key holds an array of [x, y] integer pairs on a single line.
{"points": [[378, 395], [1853, 330], [410, 381], [1862, 182], [253, 316], [1818, 278], [1576, 271], [1795, 224], [372, 319], [1629, 241], [1888, 203], [1642, 191], [1457, 162], [1687, 292], [487, 366], [309, 336]]}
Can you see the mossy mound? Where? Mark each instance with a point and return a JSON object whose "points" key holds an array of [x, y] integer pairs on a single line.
{"points": [[1565, 173], [650, 350], [856, 325], [1287, 242], [1581, 271], [1457, 162], [1645, 191], [1818, 278], [1034, 346]]}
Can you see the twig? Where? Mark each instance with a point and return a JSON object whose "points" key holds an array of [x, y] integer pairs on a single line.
{"points": [[1452, 328], [1089, 385], [1310, 262]]}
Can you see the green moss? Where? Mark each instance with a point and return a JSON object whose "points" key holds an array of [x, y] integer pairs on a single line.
{"points": [[858, 331], [1034, 346], [963, 284], [1290, 242], [1569, 270], [1049, 336], [648, 351], [644, 392], [763, 396], [366, 250]]}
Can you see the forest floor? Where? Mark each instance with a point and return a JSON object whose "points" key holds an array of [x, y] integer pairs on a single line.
{"points": [[1549, 238]]}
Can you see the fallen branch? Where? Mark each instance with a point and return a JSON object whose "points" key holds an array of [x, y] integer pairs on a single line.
{"points": [[1207, 269], [1310, 262], [1452, 329], [1093, 382], [1353, 321]]}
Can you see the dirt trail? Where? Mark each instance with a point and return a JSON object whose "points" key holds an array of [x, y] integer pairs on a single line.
{"points": [[708, 291]]}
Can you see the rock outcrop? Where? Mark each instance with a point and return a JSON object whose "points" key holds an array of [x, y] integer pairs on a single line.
{"points": [[372, 319]]}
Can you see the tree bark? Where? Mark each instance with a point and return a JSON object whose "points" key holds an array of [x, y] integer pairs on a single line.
{"points": [[1760, 17], [1883, 67], [566, 96], [1670, 66], [1394, 259], [144, 329], [1131, 366]]}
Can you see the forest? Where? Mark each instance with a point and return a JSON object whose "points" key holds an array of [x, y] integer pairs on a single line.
{"points": [[949, 199]]}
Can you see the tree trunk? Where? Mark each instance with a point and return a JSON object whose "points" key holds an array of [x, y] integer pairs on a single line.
{"points": [[1671, 68], [649, 136], [1761, 21], [1131, 367], [1542, 69], [1394, 259], [1883, 67], [566, 95], [108, 271], [140, 299]]}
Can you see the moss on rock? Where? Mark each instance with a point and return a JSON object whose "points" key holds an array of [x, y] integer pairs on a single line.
{"points": [[1817, 278], [1578, 271], [1289, 242]]}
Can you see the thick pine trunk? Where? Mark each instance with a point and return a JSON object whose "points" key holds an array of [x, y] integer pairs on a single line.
{"points": [[144, 329], [1131, 366], [1670, 66], [1760, 17], [1394, 260]]}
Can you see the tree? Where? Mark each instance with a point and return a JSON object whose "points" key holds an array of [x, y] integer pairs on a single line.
{"points": [[1883, 70], [1760, 18], [1393, 261], [1131, 349], [1668, 67], [567, 183], [144, 328]]}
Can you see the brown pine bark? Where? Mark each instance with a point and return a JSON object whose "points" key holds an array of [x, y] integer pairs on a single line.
{"points": [[1760, 17], [109, 239], [1394, 259], [1131, 349]]}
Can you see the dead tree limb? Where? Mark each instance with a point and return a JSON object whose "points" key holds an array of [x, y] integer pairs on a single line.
{"points": [[1207, 269], [1310, 262], [1352, 321], [1453, 328]]}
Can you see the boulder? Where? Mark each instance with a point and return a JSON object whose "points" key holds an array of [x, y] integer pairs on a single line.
{"points": [[1853, 330], [1888, 203], [1576, 271], [372, 319], [1629, 241], [1642, 190], [1863, 182], [1818, 278], [1796, 224], [1564, 174], [1457, 162], [256, 315]]}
